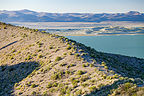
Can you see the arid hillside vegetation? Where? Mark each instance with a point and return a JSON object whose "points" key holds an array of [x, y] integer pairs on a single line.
{"points": [[34, 63]]}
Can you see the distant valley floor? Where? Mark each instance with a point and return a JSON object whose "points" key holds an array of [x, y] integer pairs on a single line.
{"points": [[86, 28]]}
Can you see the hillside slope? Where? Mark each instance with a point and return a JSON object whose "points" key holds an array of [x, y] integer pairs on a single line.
{"points": [[38, 63]]}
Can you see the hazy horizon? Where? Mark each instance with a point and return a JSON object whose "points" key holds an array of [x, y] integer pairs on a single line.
{"points": [[72, 12], [74, 6]]}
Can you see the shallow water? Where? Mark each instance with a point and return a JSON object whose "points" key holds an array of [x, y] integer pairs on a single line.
{"points": [[130, 45]]}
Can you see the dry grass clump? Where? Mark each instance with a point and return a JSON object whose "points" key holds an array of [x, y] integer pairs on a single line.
{"points": [[58, 58]]}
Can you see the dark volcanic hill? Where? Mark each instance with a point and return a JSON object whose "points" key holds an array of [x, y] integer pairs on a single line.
{"points": [[32, 16]]}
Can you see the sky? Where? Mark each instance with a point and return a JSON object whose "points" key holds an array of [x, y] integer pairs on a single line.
{"points": [[74, 6]]}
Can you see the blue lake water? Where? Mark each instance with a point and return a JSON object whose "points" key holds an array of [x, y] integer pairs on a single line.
{"points": [[130, 45]]}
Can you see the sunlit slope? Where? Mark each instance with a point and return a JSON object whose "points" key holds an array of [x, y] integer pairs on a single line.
{"points": [[38, 63]]}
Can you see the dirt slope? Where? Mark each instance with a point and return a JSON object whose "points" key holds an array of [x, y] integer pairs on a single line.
{"points": [[37, 63]]}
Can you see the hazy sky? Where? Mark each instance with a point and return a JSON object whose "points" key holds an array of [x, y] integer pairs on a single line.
{"points": [[78, 6]]}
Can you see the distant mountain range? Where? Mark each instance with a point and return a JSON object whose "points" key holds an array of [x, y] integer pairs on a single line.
{"points": [[32, 16]]}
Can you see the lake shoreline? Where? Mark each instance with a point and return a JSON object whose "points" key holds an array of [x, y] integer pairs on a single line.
{"points": [[98, 34], [128, 45]]}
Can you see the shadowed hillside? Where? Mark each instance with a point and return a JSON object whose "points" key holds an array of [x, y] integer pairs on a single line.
{"points": [[13, 74], [36, 63]]}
